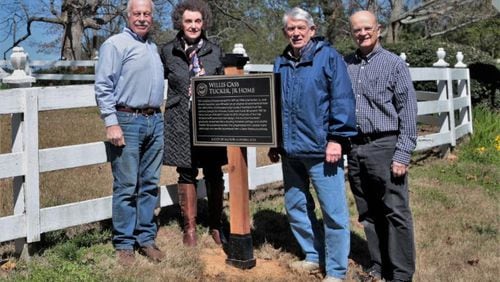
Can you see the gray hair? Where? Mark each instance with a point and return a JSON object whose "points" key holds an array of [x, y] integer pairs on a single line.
{"points": [[129, 6], [298, 14]]}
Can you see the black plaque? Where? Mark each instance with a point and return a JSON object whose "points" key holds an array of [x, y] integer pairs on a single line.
{"points": [[234, 110]]}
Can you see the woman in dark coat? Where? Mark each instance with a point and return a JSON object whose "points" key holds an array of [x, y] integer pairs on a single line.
{"points": [[191, 54]]}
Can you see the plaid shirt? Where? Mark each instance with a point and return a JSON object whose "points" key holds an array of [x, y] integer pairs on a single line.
{"points": [[385, 98]]}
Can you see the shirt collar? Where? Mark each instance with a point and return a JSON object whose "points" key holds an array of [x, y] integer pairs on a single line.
{"points": [[376, 50], [135, 35], [306, 53]]}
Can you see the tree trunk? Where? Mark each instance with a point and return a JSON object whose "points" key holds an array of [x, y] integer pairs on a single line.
{"points": [[72, 41], [73, 12], [394, 25]]}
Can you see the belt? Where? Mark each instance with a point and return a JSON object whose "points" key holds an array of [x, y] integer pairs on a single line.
{"points": [[367, 138], [145, 111]]}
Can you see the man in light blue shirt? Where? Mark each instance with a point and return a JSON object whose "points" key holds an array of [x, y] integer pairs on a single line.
{"points": [[129, 92]]}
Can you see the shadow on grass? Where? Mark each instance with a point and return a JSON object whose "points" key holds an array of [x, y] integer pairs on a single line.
{"points": [[168, 215], [359, 251], [273, 228]]}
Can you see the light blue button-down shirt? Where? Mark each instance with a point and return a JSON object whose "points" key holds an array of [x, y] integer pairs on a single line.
{"points": [[129, 73]]}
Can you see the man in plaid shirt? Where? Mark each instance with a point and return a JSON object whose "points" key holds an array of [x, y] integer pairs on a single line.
{"points": [[386, 110]]}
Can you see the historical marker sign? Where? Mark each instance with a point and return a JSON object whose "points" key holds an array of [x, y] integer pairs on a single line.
{"points": [[234, 110]]}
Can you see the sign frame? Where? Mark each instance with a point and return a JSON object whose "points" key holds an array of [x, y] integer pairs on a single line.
{"points": [[255, 93]]}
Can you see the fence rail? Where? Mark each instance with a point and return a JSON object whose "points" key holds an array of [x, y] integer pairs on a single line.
{"points": [[38, 64], [448, 109]]}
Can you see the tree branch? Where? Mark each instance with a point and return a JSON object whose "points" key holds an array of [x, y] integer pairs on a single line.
{"points": [[53, 10], [454, 28], [28, 30], [235, 18]]}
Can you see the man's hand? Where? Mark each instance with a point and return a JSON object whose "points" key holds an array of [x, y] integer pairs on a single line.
{"points": [[398, 169], [115, 135], [333, 152], [273, 155]]}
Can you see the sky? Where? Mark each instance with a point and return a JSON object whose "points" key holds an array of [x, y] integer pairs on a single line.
{"points": [[38, 35]]}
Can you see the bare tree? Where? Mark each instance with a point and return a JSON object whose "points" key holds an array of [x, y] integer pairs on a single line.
{"points": [[439, 16], [435, 16], [74, 16], [84, 23]]}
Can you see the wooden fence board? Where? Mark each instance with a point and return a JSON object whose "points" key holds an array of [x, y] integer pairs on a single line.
{"points": [[12, 101], [32, 174], [63, 216], [11, 164], [13, 227], [431, 107], [67, 97], [432, 140], [72, 156]]}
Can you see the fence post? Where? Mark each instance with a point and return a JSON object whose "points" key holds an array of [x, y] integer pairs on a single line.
{"points": [[445, 90], [25, 139], [463, 90]]}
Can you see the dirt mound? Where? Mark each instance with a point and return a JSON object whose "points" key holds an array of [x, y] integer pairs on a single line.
{"points": [[216, 268]]}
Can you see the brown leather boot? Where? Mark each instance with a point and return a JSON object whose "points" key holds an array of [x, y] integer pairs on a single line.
{"points": [[187, 201], [215, 197]]}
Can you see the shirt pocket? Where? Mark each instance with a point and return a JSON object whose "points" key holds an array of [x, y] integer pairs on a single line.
{"points": [[380, 90]]}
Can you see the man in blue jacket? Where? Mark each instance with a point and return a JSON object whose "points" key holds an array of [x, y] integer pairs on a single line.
{"points": [[318, 115]]}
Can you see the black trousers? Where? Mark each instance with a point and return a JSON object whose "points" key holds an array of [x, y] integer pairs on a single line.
{"points": [[383, 207]]}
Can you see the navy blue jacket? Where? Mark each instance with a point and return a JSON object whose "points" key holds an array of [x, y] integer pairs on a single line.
{"points": [[317, 101]]}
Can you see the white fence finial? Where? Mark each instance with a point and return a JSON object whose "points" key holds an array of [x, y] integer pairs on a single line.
{"points": [[460, 58], [403, 56], [440, 54], [18, 60], [238, 49]]}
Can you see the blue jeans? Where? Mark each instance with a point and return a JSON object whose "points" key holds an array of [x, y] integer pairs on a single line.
{"points": [[330, 246], [136, 172], [383, 207]]}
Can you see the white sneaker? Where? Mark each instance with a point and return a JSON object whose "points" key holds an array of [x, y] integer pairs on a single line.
{"points": [[303, 266], [332, 279]]}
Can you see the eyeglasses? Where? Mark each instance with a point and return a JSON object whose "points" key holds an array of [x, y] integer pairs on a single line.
{"points": [[368, 29]]}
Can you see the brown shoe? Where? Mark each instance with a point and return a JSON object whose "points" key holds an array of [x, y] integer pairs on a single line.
{"points": [[187, 201], [152, 252], [125, 257]]}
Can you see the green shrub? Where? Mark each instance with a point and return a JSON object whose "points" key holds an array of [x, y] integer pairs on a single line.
{"points": [[484, 74], [484, 144]]}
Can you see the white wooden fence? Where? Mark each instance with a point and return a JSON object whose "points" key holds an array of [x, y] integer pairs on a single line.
{"points": [[449, 109]]}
